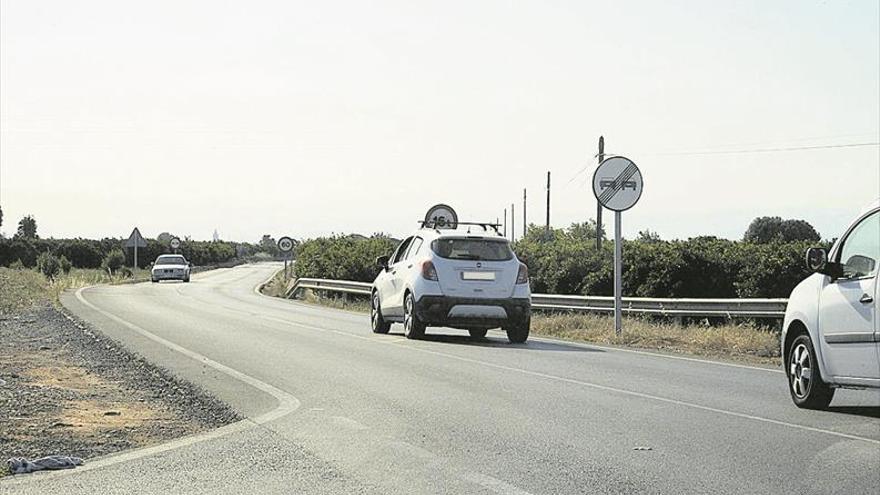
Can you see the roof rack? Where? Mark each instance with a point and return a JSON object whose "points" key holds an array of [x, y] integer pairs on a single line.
{"points": [[432, 224]]}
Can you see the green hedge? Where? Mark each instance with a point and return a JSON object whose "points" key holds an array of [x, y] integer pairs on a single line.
{"points": [[702, 267], [565, 261], [342, 257], [89, 253]]}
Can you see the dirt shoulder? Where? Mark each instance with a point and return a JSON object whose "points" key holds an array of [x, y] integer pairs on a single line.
{"points": [[67, 389]]}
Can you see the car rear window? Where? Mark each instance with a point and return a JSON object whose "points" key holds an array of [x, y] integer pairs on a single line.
{"points": [[170, 260], [472, 249]]}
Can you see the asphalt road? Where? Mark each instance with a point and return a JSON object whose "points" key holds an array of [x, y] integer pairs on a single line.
{"points": [[333, 408]]}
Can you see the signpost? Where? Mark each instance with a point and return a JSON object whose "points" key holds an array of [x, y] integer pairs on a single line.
{"points": [[285, 245], [175, 243], [617, 184], [135, 240]]}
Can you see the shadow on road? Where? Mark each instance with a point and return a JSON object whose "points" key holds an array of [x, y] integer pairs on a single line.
{"points": [[866, 411], [499, 342]]}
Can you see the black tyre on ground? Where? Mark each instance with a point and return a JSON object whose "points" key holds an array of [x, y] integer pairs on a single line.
{"points": [[377, 322], [478, 333], [413, 327], [519, 333], [805, 383]]}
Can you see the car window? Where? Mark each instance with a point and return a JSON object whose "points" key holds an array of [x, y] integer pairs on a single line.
{"points": [[414, 248], [401, 250], [861, 248], [472, 249], [170, 260]]}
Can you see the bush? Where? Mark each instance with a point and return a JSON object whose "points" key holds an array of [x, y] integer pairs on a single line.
{"points": [[17, 265], [342, 257], [114, 260], [49, 265], [65, 263]]}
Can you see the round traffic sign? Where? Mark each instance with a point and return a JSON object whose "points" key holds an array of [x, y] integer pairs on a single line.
{"points": [[285, 244], [175, 243], [441, 217], [617, 183]]}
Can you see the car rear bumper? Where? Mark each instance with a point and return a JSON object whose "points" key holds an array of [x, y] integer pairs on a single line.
{"points": [[466, 312]]}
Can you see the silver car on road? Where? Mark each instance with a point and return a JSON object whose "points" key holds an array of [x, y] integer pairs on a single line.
{"points": [[170, 267]]}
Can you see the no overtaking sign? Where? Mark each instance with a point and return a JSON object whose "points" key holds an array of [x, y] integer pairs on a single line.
{"points": [[617, 183]]}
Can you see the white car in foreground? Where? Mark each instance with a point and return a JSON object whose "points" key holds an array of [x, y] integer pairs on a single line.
{"points": [[170, 267], [831, 332], [453, 278]]}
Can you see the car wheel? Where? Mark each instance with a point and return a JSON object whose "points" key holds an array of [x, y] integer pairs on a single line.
{"points": [[154, 280], [186, 280], [519, 333], [413, 327], [804, 381], [376, 320], [478, 333]]}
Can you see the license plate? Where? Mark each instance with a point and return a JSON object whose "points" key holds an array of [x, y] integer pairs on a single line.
{"points": [[478, 275]]}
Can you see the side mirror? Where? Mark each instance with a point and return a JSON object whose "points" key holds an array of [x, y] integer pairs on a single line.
{"points": [[382, 261], [817, 261]]}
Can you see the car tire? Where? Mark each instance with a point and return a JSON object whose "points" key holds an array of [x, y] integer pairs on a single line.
{"points": [[519, 333], [377, 321], [478, 333], [805, 383], [413, 327], [186, 280], [154, 280]]}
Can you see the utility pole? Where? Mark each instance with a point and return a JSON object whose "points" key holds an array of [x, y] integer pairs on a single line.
{"points": [[601, 157], [512, 222], [547, 226], [505, 222], [525, 222]]}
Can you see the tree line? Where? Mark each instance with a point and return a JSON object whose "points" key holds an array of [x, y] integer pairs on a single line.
{"points": [[767, 262]]}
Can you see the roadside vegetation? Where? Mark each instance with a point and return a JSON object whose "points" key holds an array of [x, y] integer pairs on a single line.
{"points": [[23, 288], [767, 263]]}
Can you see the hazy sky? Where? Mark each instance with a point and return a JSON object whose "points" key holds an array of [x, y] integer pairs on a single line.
{"points": [[306, 118]]}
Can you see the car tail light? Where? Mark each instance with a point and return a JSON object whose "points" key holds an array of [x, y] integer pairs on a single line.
{"points": [[428, 271], [522, 277]]}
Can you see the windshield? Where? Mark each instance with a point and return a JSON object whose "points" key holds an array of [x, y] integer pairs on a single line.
{"points": [[472, 249], [171, 260]]}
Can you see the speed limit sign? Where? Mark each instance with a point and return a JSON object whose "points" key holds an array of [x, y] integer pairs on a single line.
{"points": [[285, 244]]}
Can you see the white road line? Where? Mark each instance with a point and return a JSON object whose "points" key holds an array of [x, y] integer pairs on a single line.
{"points": [[287, 404], [551, 340], [631, 393]]}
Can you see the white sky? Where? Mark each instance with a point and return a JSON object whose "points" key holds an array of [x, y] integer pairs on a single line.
{"points": [[306, 118]]}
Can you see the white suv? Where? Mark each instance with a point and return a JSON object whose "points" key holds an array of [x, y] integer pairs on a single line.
{"points": [[831, 332], [453, 278]]}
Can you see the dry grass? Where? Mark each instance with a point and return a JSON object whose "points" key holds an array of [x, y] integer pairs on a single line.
{"points": [[360, 304], [23, 289], [733, 341]]}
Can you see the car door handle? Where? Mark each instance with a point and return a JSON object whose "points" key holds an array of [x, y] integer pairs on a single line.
{"points": [[866, 299]]}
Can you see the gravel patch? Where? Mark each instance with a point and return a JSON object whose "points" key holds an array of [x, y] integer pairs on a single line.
{"points": [[67, 389]]}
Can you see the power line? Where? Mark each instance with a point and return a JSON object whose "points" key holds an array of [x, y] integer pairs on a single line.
{"points": [[768, 150]]}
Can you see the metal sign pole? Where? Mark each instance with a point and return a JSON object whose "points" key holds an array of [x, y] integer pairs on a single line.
{"points": [[618, 274], [617, 185]]}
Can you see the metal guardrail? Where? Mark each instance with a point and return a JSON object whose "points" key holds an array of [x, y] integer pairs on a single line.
{"points": [[728, 308]]}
